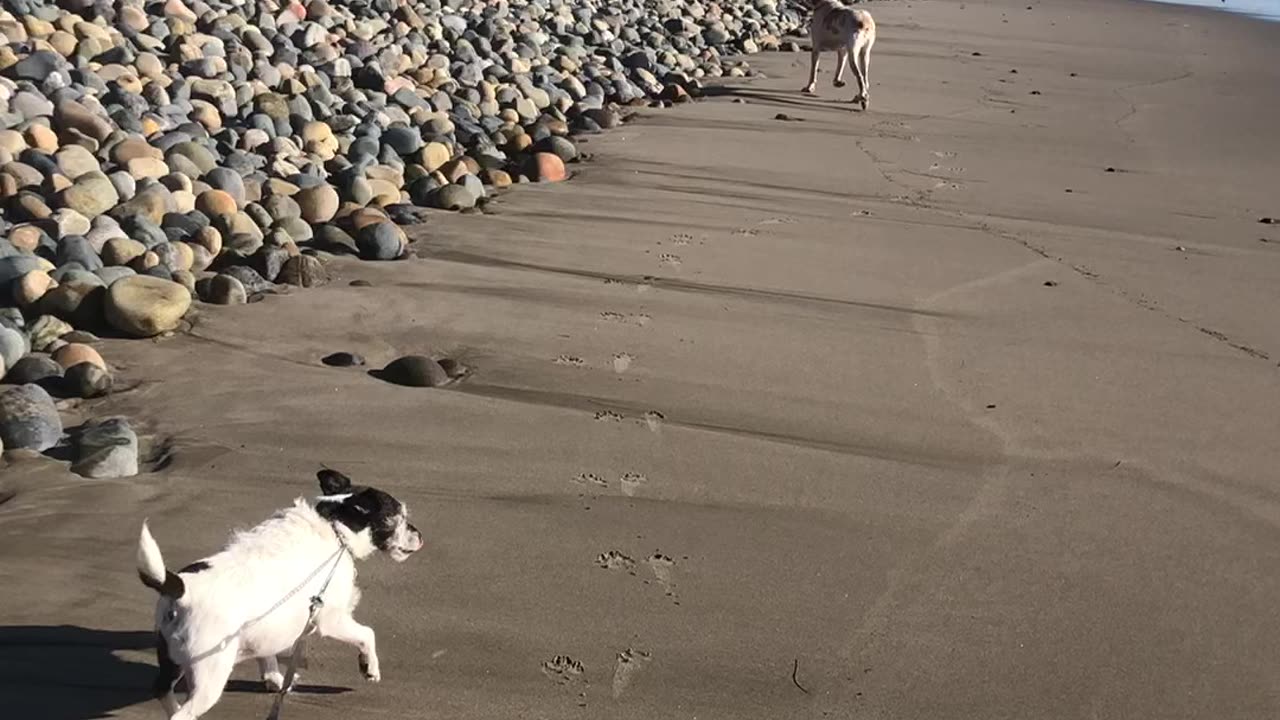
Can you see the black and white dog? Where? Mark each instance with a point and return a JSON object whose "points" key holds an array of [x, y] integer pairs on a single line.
{"points": [[253, 599]]}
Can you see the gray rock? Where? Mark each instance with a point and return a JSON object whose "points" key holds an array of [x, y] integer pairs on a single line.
{"points": [[414, 371], [28, 418], [86, 380], [14, 267], [380, 241], [452, 197], [13, 346], [33, 369], [222, 290], [106, 448], [252, 281], [404, 141]]}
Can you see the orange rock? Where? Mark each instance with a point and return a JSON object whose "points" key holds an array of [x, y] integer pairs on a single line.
{"points": [[547, 167], [31, 287], [366, 216], [216, 203], [76, 353], [25, 237], [496, 178]]}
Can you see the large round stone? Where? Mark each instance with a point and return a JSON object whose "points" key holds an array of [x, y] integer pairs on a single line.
{"points": [[318, 204], [144, 306], [380, 241], [546, 167]]}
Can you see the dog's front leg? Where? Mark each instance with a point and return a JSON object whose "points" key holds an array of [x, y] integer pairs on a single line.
{"points": [[269, 671], [343, 627], [813, 69]]}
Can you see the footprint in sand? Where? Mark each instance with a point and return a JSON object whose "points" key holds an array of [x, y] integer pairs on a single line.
{"points": [[670, 259], [638, 319], [631, 482], [629, 663], [745, 231], [681, 238], [662, 567], [777, 221], [608, 415], [621, 361], [588, 478], [614, 560], [653, 420], [568, 673], [571, 360]]}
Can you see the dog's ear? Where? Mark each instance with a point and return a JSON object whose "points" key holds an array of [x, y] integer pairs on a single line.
{"points": [[333, 482]]}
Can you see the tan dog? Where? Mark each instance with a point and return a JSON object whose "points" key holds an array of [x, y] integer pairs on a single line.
{"points": [[849, 32]]}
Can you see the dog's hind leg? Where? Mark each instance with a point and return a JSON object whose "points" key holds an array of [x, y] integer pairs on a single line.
{"points": [[813, 70], [343, 627], [842, 62], [269, 671], [207, 679], [167, 675], [862, 63]]}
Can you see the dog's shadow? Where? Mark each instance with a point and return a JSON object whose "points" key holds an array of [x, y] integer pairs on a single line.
{"points": [[67, 672]]}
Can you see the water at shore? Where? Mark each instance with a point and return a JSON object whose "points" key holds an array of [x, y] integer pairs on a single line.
{"points": [[1262, 9]]}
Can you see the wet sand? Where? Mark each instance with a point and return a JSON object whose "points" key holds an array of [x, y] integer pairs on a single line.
{"points": [[879, 420]]}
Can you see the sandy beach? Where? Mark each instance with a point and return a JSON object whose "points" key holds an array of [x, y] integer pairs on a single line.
{"points": [[962, 407]]}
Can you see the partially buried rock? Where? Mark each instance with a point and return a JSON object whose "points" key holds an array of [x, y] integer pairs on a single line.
{"points": [[546, 167], [380, 241], [304, 271], [86, 380], [28, 418], [144, 306], [452, 197], [222, 290], [106, 448], [414, 371], [342, 359]]}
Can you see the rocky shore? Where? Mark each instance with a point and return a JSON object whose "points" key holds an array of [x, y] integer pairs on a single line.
{"points": [[156, 154]]}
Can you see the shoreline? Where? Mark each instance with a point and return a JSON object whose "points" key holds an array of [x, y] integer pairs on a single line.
{"points": [[1256, 10], [868, 401]]}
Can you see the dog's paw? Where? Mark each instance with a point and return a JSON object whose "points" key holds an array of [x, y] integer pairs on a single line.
{"points": [[370, 670], [274, 681], [807, 90], [839, 83]]}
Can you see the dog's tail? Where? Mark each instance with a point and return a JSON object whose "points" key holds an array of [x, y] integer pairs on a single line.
{"points": [[151, 568]]}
